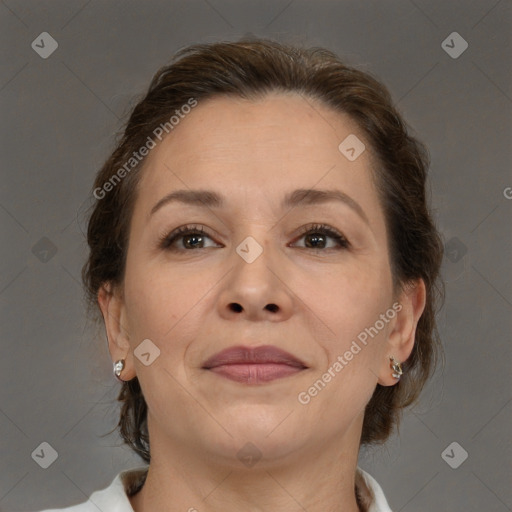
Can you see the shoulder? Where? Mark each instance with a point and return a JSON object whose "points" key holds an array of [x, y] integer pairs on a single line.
{"points": [[113, 498]]}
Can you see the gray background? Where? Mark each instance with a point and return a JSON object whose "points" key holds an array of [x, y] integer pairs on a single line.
{"points": [[59, 116]]}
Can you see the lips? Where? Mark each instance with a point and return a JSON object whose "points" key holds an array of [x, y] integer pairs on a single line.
{"points": [[254, 365]]}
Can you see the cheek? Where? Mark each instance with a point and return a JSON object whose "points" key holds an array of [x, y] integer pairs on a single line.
{"points": [[347, 303], [149, 311], [159, 297]]}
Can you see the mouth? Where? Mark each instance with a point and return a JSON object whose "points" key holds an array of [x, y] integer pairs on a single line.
{"points": [[254, 365]]}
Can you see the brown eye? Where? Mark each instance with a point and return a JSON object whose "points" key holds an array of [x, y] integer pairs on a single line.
{"points": [[191, 238], [316, 238]]}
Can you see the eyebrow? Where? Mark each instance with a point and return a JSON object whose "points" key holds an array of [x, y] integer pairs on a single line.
{"points": [[299, 197]]}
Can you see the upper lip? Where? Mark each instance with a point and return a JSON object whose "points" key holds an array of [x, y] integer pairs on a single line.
{"points": [[253, 355]]}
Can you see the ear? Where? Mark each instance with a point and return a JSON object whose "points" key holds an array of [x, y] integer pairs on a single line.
{"points": [[400, 342], [111, 303]]}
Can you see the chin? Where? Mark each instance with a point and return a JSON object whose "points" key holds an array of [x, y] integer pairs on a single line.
{"points": [[267, 437]]}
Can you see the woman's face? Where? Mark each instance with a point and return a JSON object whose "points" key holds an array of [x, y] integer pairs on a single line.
{"points": [[262, 273]]}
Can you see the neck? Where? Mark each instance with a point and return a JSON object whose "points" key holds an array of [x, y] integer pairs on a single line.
{"points": [[181, 478]]}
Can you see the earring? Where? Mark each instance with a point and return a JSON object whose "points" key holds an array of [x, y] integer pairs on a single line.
{"points": [[118, 368], [397, 368]]}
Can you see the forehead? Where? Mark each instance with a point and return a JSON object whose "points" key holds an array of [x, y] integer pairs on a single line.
{"points": [[262, 147]]}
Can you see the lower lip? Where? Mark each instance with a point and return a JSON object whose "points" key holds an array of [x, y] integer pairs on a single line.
{"points": [[255, 373]]}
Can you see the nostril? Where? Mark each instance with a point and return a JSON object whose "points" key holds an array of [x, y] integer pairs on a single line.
{"points": [[272, 307], [236, 307]]}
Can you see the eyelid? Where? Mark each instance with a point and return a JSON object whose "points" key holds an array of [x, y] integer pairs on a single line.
{"points": [[327, 230], [168, 238]]}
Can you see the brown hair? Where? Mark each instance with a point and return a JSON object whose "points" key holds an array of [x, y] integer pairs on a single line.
{"points": [[250, 69]]}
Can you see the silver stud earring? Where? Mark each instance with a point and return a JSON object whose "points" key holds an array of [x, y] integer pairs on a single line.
{"points": [[118, 368], [396, 367]]}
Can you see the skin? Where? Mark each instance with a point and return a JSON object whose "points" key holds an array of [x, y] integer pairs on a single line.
{"points": [[253, 153]]}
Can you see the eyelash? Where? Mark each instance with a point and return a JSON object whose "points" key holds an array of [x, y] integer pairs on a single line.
{"points": [[167, 240]]}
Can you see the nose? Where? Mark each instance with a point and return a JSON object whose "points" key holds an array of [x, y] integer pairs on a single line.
{"points": [[257, 290]]}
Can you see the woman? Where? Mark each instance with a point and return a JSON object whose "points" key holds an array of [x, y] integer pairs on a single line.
{"points": [[266, 266]]}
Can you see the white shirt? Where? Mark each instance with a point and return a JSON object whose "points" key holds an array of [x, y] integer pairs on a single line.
{"points": [[114, 498]]}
